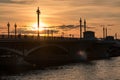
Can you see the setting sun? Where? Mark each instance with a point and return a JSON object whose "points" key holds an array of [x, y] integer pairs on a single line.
{"points": [[35, 27]]}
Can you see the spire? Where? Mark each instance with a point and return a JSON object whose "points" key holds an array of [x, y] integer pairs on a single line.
{"points": [[80, 28], [84, 25]]}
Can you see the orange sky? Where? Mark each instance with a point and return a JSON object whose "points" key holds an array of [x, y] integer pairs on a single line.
{"points": [[61, 12]]}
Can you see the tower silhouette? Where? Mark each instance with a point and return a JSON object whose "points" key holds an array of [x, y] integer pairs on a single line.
{"points": [[38, 13]]}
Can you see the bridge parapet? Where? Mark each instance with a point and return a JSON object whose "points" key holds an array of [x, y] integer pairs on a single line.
{"points": [[26, 46], [25, 37]]}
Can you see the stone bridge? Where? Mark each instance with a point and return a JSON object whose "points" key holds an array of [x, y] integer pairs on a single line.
{"points": [[35, 49], [26, 47]]}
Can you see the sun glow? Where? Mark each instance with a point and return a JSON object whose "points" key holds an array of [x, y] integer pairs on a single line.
{"points": [[41, 27]]}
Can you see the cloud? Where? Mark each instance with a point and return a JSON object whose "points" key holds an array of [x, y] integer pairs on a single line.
{"points": [[16, 1], [70, 27], [2, 27], [63, 27], [24, 30], [79, 3], [66, 27], [49, 30]]}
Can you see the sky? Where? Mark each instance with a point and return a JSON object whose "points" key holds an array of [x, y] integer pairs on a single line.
{"points": [[61, 16]]}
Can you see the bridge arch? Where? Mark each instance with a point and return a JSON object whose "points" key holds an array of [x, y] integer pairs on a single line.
{"points": [[44, 46], [19, 53]]}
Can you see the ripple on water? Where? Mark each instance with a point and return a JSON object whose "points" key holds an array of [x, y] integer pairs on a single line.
{"points": [[98, 70]]}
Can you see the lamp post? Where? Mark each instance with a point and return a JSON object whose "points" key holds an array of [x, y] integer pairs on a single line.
{"points": [[103, 31], [15, 29], [8, 25], [38, 13], [106, 34], [80, 28], [84, 25]]}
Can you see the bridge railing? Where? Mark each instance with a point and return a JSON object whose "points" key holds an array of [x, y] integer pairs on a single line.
{"points": [[25, 37]]}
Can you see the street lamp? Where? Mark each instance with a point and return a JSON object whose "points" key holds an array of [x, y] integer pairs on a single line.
{"points": [[38, 13], [15, 29], [8, 25]]}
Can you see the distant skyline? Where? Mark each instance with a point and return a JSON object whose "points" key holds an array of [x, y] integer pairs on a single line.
{"points": [[61, 12]]}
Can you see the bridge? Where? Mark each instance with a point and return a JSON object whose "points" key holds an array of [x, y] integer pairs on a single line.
{"points": [[51, 51]]}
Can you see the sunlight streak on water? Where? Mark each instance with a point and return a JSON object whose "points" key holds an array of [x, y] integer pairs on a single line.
{"points": [[96, 70]]}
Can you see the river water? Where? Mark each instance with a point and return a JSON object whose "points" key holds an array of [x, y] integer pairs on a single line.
{"points": [[95, 70]]}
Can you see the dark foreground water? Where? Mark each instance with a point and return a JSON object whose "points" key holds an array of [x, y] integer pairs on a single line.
{"points": [[96, 70]]}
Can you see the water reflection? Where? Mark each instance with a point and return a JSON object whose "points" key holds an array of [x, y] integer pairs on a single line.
{"points": [[96, 70]]}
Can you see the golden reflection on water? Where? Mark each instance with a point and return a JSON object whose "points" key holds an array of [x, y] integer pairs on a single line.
{"points": [[96, 70]]}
